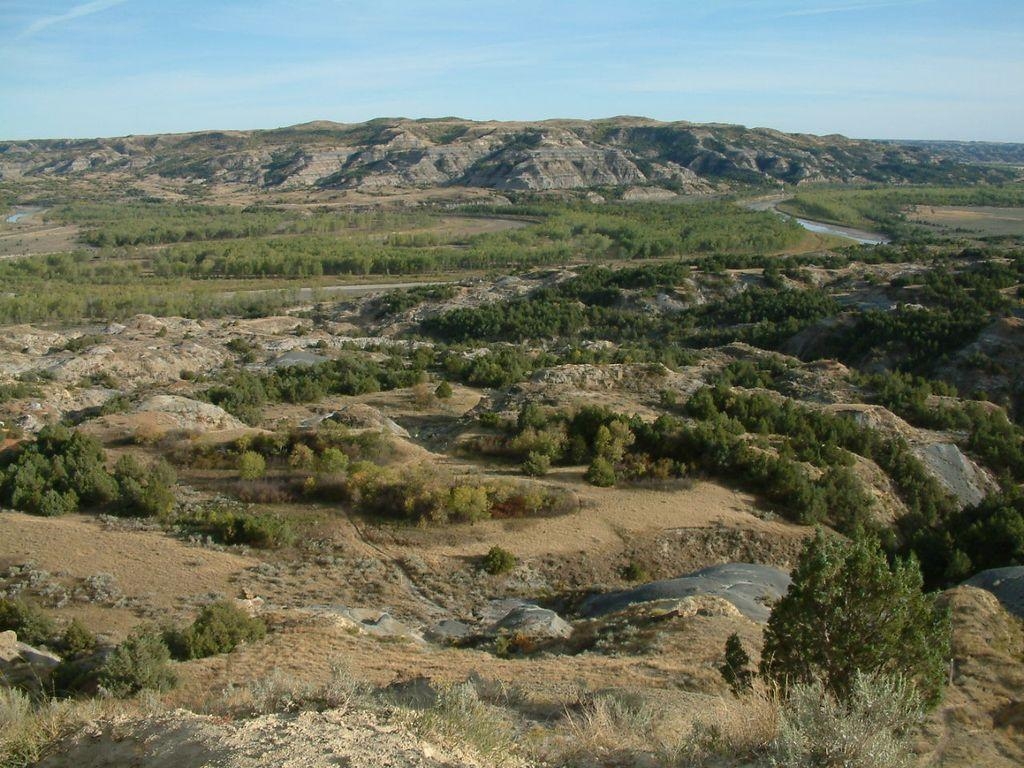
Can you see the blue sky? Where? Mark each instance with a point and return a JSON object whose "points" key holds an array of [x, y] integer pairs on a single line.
{"points": [[865, 68]]}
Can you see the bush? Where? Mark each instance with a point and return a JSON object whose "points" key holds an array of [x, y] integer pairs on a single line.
{"points": [[634, 571], [251, 466], [847, 613], [144, 491], [219, 628], [77, 640], [64, 470], [333, 461], [871, 728], [498, 561], [56, 473], [468, 503], [443, 391], [139, 663], [31, 624], [302, 458], [30, 727], [459, 719], [601, 473], [536, 464]]}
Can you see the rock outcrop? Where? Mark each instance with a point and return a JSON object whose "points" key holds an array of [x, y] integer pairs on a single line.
{"points": [[638, 153], [22, 663], [751, 588]]}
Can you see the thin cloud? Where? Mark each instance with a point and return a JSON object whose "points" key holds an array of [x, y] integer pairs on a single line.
{"points": [[76, 12], [850, 8]]}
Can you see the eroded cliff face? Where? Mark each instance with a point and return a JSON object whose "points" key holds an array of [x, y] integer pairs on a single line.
{"points": [[555, 154]]}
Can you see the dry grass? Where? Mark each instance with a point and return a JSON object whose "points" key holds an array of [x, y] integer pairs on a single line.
{"points": [[29, 729], [613, 726], [731, 728], [281, 692], [623, 728], [977, 220], [459, 719]]}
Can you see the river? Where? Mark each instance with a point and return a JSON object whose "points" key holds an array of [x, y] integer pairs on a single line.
{"points": [[820, 227], [21, 214]]}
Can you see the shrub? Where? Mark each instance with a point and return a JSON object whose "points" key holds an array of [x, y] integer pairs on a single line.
{"points": [[64, 470], [302, 457], [468, 503], [219, 628], [31, 624], [536, 464], [871, 728], [53, 503], [332, 461], [847, 612], [30, 728], [634, 571], [443, 391], [139, 663], [498, 561], [251, 466], [144, 491], [458, 718], [601, 473], [77, 640]]}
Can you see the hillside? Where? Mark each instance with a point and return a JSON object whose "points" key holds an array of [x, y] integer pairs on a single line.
{"points": [[300, 474], [553, 154]]}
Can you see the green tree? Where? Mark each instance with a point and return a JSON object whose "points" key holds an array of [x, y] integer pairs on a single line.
{"points": [[736, 671], [848, 612], [29, 622]]}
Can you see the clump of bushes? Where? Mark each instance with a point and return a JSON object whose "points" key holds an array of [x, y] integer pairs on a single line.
{"points": [[64, 471], [872, 727], [424, 495], [635, 571], [227, 525], [219, 628], [328, 448], [144, 490], [498, 561], [245, 394]]}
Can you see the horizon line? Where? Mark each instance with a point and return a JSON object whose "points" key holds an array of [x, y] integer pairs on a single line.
{"points": [[453, 118]]}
